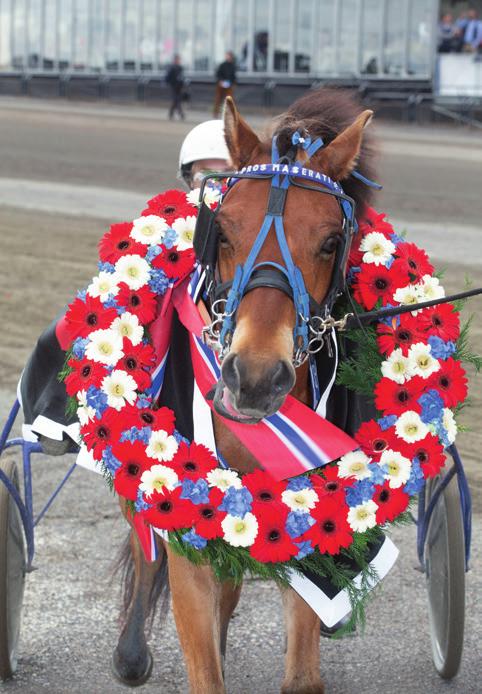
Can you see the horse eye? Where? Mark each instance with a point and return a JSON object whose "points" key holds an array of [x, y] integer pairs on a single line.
{"points": [[330, 245], [223, 240]]}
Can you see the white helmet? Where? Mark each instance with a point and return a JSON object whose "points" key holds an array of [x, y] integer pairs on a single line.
{"points": [[205, 141]]}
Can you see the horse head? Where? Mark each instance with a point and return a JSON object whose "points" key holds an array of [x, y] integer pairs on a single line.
{"points": [[258, 372]]}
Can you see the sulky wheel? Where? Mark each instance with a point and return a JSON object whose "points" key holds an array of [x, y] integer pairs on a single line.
{"points": [[12, 573], [445, 574]]}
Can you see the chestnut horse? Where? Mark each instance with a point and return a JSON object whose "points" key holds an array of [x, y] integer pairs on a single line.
{"points": [[259, 373]]}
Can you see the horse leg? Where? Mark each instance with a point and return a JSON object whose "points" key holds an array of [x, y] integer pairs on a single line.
{"points": [[302, 660], [202, 606], [230, 593], [132, 659]]}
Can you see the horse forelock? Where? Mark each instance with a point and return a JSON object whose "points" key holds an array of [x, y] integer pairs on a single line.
{"points": [[325, 113]]}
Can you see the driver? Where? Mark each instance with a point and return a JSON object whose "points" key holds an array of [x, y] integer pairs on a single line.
{"points": [[42, 396]]}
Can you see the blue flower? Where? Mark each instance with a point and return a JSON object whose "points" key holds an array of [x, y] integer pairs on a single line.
{"points": [[361, 491], [112, 303], [97, 399], [303, 140], [298, 523], [387, 422], [305, 548], [378, 476], [106, 267], [141, 504], [79, 347], [395, 239], [159, 281], [197, 492], [82, 294], [109, 460], [298, 483], [439, 348], [416, 480], [153, 252], [389, 262], [170, 238], [237, 502], [432, 406], [143, 401], [195, 540], [389, 320], [136, 434]]}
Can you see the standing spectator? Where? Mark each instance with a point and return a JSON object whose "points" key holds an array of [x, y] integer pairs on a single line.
{"points": [[225, 80], [473, 32], [446, 34], [175, 79]]}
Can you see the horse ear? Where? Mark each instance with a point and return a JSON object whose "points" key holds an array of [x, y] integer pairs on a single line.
{"points": [[339, 158], [240, 138]]}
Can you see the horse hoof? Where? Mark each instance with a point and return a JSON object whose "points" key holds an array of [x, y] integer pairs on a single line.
{"points": [[128, 674]]}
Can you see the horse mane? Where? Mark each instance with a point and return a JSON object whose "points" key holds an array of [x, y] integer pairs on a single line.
{"points": [[325, 113]]}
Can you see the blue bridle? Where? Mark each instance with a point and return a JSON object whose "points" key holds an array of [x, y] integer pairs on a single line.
{"points": [[283, 172]]}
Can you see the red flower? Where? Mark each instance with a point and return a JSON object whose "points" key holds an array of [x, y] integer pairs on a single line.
{"points": [[118, 242], [169, 511], [429, 453], [403, 336], [99, 433], [142, 303], [176, 264], [391, 502], [450, 381], [374, 440], [396, 398], [330, 485], [264, 488], [442, 321], [376, 282], [375, 221], [163, 418], [208, 517], [331, 531], [134, 462], [85, 373], [83, 317], [272, 542], [356, 255], [193, 461], [135, 361], [413, 260], [170, 205]]}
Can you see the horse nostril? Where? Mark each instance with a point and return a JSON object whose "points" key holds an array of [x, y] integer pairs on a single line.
{"points": [[283, 378], [230, 373]]}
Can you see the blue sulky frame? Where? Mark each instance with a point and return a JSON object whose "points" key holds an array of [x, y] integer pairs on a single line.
{"points": [[25, 506], [29, 520]]}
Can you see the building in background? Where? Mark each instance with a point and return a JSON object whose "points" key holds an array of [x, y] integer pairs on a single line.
{"points": [[284, 40]]}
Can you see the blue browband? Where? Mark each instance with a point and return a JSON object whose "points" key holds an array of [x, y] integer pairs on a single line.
{"points": [[293, 170]]}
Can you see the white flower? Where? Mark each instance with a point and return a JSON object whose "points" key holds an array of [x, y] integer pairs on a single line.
{"points": [[377, 248], [410, 427], [223, 479], [420, 360], [448, 420], [408, 295], [103, 285], [105, 346], [301, 500], [184, 229], [194, 196], [161, 445], [430, 288], [240, 532], [133, 270], [158, 477], [354, 464], [127, 325], [362, 517], [396, 367], [120, 388], [397, 467], [85, 413], [149, 229]]}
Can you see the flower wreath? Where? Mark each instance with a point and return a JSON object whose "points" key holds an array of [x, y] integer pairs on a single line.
{"points": [[409, 364]]}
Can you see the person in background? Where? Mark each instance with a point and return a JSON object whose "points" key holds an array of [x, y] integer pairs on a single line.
{"points": [[225, 80], [203, 151], [473, 32], [175, 79], [446, 34]]}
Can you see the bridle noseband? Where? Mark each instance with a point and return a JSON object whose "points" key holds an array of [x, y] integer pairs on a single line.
{"points": [[312, 319]]}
